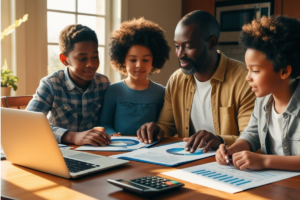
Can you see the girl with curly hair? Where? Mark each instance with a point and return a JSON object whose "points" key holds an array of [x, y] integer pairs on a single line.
{"points": [[273, 62], [138, 48]]}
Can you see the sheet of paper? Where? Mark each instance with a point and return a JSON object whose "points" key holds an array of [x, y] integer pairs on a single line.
{"points": [[169, 155], [122, 143], [228, 178]]}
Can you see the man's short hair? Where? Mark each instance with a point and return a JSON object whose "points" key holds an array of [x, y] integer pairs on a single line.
{"points": [[75, 33], [205, 22]]}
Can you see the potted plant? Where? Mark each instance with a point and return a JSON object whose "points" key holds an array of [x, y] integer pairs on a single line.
{"points": [[8, 80]]}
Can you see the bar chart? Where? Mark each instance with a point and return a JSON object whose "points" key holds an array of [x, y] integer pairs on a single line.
{"points": [[222, 177], [228, 178]]}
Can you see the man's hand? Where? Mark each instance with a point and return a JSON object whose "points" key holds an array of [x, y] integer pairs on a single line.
{"points": [[93, 137], [199, 139], [149, 132], [249, 160]]}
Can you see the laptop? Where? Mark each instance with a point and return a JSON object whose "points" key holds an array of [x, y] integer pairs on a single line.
{"points": [[27, 140]]}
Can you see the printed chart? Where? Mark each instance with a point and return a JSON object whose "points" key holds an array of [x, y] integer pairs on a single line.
{"points": [[181, 151], [121, 143], [167, 155], [228, 178]]}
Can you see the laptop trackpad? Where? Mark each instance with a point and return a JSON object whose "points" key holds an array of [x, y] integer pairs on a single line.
{"points": [[85, 157]]}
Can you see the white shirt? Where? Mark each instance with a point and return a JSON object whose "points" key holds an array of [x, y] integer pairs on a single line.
{"points": [[201, 113], [275, 132]]}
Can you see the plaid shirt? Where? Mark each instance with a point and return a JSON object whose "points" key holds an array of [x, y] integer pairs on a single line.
{"points": [[67, 106]]}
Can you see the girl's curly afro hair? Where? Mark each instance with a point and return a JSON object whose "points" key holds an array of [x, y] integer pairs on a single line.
{"points": [[138, 32]]}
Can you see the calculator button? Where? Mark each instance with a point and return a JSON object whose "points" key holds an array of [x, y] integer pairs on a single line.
{"points": [[169, 183], [165, 179], [175, 182], [164, 185]]}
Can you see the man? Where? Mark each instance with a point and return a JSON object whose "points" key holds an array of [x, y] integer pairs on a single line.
{"points": [[208, 98]]}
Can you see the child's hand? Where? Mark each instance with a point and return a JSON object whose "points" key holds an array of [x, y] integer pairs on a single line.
{"points": [[222, 156], [116, 134], [249, 160], [94, 137]]}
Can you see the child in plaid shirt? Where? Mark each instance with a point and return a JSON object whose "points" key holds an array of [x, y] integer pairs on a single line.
{"points": [[72, 98]]}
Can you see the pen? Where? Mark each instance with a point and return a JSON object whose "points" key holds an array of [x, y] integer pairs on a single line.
{"points": [[229, 158]]}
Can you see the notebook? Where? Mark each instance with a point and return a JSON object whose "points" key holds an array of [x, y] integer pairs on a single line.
{"points": [[27, 140]]}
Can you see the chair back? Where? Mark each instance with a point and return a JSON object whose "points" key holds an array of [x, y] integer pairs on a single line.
{"points": [[18, 102]]}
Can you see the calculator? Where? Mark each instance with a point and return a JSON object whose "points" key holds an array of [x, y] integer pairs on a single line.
{"points": [[147, 185]]}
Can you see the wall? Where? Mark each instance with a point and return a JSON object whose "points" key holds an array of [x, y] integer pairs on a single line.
{"points": [[6, 53], [288, 8], [23, 49], [190, 5], [165, 13]]}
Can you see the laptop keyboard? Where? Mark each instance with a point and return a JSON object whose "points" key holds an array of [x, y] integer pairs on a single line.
{"points": [[75, 166]]}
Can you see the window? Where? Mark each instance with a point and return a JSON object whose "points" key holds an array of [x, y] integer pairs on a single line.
{"points": [[91, 13]]}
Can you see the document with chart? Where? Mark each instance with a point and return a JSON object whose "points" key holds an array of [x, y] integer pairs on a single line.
{"points": [[121, 143], [228, 178], [167, 155]]}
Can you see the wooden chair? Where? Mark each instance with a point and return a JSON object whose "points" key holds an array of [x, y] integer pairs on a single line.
{"points": [[18, 102]]}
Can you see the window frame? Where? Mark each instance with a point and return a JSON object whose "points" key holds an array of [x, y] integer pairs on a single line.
{"points": [[107, 17]]}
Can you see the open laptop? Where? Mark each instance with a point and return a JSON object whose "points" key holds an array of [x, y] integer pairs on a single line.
{"points": [[27, 140]]}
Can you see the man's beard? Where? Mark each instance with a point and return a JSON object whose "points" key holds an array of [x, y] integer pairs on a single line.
{"points": [[190, 71]]}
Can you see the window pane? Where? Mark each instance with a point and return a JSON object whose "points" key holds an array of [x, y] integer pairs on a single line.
{"points": [[95, 23], [54, 63], [65, 5], [92, 6], [56, 22], [102, 60]]}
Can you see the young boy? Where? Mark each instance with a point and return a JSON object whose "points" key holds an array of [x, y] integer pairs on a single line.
{"points": [[273, 63], [72, 98]]}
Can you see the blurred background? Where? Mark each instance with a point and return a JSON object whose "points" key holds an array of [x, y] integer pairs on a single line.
{"points": [[31, 50]]}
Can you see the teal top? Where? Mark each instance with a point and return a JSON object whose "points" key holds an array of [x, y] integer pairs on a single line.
{"points": [[125, 110]]}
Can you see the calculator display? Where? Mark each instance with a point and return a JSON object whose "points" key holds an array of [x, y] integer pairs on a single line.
{"points": [[132, 184]]}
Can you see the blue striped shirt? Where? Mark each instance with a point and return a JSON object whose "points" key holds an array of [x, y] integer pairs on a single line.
{"points": [[67, 106]]}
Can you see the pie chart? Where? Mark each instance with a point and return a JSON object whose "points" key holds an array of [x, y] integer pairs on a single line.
{"points": [[182, 152], [122, 142]]}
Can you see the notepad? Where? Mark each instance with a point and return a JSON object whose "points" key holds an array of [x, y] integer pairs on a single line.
{"points": [[228, 178]]}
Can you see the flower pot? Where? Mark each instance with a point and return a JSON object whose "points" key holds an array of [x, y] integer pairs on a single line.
{"points": [[5, 91]]}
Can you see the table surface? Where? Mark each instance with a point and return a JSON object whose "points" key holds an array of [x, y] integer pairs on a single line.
{"points": [[23, 183]]}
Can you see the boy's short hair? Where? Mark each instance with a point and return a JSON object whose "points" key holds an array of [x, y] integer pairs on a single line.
{"points": [[277, 37], [138, 32], [75, 33]]}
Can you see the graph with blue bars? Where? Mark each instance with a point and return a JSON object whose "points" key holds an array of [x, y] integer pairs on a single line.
{"points": [[222, 177]]}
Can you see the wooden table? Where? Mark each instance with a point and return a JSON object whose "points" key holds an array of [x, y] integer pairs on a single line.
{"points": [[22, 183]]}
